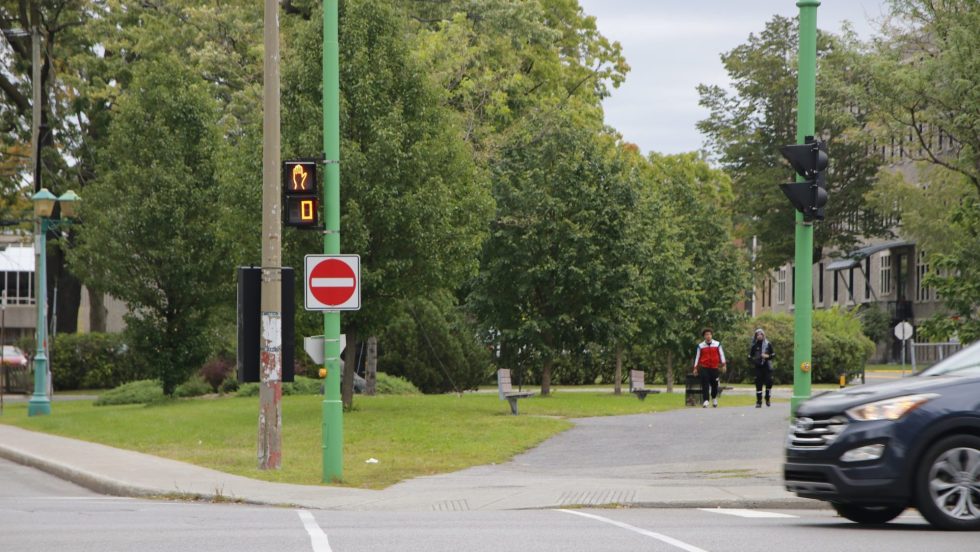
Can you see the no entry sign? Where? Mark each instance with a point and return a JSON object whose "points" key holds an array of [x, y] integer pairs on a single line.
{"points": [[333, 282]]}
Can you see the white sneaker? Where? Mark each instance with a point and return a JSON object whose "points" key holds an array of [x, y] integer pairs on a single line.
{"points": [[714, 403], [705, 405]]}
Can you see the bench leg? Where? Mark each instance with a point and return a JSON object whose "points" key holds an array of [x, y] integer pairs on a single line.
{"points": [[513, 405]]}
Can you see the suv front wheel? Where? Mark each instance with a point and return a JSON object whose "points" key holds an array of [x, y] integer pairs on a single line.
{"points": [[871, 515], [948, 483]]}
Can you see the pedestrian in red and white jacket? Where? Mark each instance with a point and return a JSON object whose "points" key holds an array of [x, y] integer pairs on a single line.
{"points": [[708, 363]]}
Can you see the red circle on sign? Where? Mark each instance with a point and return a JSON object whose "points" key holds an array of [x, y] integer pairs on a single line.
{"points": [[332, 282]]}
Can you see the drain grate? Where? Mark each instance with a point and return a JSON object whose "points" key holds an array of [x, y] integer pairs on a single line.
{"points": [[451, 506], [596, 497]]}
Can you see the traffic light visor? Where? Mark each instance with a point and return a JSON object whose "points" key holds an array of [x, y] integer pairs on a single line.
{"points": [[806, 159]]}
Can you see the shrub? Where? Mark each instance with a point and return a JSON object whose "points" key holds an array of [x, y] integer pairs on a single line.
{"points": [[839, 345], [302, 386], [195, 386], [230, 385], [431, 343], [88, 361], [217, 370], [135, 392], [394, 385], [875, 323]]}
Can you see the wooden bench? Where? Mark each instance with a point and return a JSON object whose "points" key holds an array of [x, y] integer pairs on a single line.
{"points": [[507, 392], [637, 386]]}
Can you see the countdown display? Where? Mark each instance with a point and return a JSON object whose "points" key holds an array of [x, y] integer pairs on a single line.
{"points": [[301, 201]]}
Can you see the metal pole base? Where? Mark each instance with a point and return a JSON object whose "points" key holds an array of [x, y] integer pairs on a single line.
{"points": [[39, 406], [333, 441]]}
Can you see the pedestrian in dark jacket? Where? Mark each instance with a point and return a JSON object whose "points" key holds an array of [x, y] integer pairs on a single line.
{"points": [[761, 354]]}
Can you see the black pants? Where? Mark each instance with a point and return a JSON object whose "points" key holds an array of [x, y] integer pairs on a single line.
{"points": [[763, 376], [709, 380]]}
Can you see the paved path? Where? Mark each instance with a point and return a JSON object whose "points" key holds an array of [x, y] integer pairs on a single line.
{"points": [[694, 457]]}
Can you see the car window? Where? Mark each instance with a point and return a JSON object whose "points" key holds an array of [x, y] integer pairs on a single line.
{"points": [[964, 363]]}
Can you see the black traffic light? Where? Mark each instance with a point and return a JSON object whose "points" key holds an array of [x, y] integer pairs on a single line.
{"points": [[809, 160], [301, 200]]}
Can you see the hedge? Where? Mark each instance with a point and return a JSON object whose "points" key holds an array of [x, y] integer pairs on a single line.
{"points": [[88, 361], [839, 346]]}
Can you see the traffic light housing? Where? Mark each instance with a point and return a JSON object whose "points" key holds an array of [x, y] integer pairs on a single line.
{"points": [[809, 160], [301, 200]]}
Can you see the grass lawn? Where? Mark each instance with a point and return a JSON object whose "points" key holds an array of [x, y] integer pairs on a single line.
{"points": [[409, 435]]}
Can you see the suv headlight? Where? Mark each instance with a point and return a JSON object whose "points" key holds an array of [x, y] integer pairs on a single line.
{"points": [[890, 409]]}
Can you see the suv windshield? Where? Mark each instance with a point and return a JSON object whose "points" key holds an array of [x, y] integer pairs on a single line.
{"points": [[964, 363]]}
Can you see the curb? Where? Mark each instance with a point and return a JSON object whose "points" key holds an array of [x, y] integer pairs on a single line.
{"points": [[112, 487], [90, 481]]}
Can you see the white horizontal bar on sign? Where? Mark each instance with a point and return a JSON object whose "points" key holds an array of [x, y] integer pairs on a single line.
{"points": [[332, 282]]}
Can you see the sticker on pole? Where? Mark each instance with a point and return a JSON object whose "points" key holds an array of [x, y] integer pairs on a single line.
{"points": [[333, 282]]}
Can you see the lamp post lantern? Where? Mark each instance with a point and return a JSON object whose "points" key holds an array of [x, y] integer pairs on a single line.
{"points": [[40, 403]]}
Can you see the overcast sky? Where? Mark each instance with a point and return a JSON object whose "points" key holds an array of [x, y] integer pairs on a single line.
{"points": [[674, 45]]}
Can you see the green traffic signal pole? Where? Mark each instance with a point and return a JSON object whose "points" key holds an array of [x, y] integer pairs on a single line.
{"points": [[333, 411], [803, 283]]}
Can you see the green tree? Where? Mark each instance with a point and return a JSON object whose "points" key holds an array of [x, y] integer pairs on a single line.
{"points": [[498, 62], [747, 127], [432, 342], [414, 201], [698, 281], [64, 123], [150, 229], [924, 83], [554, 273], [923, 92]]}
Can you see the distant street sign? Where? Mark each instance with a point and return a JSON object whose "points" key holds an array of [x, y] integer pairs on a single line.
{"points": [[903, 331], [333, 282]]}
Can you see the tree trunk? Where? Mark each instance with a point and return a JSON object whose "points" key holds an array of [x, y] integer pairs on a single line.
{"points": [[350, 366], [97, 311], [618, 388], [371, 370], [670, 372], [546, 377], [69, 296]]}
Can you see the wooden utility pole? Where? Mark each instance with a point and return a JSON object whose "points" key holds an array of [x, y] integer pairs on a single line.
{"points": [[270, 336]]}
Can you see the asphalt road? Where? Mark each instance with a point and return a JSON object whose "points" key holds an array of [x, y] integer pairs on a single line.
{"points": [[39, 513]]}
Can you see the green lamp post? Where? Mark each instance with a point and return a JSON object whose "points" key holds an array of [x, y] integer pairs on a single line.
{"points": [[40, 403]]}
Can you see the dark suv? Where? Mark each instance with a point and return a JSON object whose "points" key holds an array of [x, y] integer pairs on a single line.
{"points": [[872, 451]]}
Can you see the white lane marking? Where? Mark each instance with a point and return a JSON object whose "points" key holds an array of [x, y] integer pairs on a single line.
{"points": [[746, 513], [332, 282], [317, 537], [662, 538]]}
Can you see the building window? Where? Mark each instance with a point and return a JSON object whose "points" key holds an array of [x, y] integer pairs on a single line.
{"points": [[18, 286], [836, 286], [792, 288], [922, 292], [781, 286], [820, 284], [770, 291], [867, 278], [850, 285], [886, 274]]}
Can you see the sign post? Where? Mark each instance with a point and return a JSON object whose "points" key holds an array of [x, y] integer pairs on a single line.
{"points": [[332, 428], [903, 331]]}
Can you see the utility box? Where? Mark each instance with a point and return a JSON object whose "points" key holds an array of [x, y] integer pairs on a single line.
{"points": [[250, 322]]}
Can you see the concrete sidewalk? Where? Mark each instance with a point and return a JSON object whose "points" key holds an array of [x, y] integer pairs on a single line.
{"points": [[552, 476]]}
